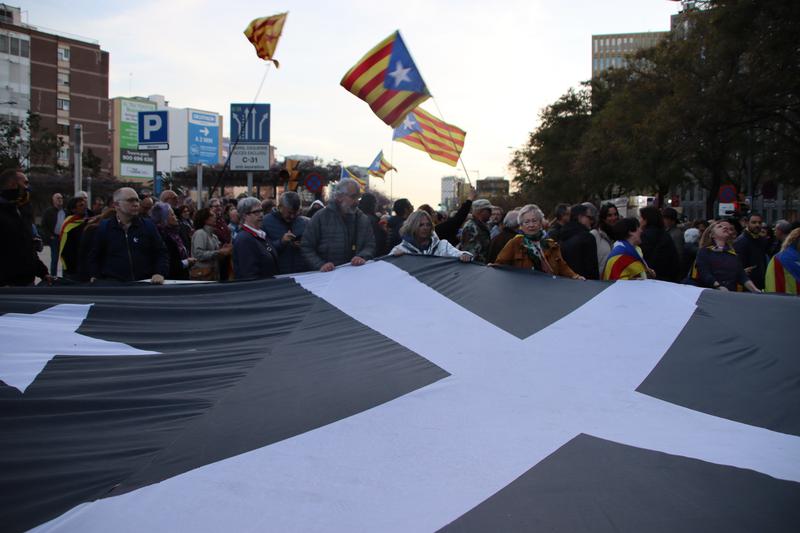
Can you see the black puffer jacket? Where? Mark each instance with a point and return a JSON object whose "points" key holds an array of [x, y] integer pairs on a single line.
{"points": [[19, 263], [661, 255], [579, 249]]}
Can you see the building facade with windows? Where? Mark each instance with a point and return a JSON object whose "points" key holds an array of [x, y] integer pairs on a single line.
{"points": [[611, 50], [62, 78], [453, 191], [492, 187]]}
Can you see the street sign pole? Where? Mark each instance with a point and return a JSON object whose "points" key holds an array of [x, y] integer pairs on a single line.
{"points": [[249, 184], [78, 153], [199, 186], [156, 177]]}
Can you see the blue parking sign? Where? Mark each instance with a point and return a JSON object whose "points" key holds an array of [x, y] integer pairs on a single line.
{"points": [[153, 130]]}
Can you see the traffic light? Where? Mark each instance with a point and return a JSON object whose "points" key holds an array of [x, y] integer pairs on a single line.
{"points": [[293, 174]]}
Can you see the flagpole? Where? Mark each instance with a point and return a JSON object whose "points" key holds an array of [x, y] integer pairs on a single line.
{"points": [[227, 164], [453, 141], [391, 179]]}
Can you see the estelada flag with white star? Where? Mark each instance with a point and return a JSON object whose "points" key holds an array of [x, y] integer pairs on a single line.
{"points": [[380, 166], [461, 406], [442, 141], [346, 174], [264, 34], [388, 80]]}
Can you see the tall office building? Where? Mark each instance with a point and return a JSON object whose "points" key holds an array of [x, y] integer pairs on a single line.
{"points": [[453, 188], [610, 50], [61, 77]]}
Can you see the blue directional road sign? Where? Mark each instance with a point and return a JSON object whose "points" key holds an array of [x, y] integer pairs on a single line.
{"points": [[153, 130], [250, 137], [203, 138], [250, 123]]}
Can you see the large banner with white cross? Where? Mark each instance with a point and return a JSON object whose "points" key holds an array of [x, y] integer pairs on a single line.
{"points": [[411, 394]]}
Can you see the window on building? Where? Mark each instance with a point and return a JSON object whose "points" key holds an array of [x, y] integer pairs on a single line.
{"points": [[14, 48], [62, 103], [63, 129], [63, 154], [4, 43], [6, 15], [63, 53], [24, 48], [63, 79]]}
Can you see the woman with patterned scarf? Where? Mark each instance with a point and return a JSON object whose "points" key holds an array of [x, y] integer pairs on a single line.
{"points": [[532, 250], [625, 261], [783, 271], [168, 226]]}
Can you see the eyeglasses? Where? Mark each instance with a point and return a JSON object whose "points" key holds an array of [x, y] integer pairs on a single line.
{"points": [[255, 211]]}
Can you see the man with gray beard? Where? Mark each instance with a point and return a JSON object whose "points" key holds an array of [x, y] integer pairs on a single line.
{"points": [[339, 233]]}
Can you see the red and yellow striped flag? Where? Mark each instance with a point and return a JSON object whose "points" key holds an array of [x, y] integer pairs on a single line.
{"points": [[624, 262], [264, 34], [388, 80], [346, 174], [779, 277], [71, 223], [442, 141], [380, 166]]}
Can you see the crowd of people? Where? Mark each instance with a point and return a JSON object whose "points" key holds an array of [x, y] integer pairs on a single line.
{"points": [[135, 236]]}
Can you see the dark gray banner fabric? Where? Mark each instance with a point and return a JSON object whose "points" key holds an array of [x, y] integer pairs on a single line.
{"points": [[736, 359], [592, 484], [405, 394], [238, 366], [521, 302]]}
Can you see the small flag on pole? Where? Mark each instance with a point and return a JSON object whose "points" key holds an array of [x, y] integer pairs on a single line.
{"points": [[388, 80], [380, 166], [346, 174], [264, 34], [442, 141]]}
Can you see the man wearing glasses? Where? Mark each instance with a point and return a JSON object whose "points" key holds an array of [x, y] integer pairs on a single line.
{"points": [[127, 247], [339, 233]]}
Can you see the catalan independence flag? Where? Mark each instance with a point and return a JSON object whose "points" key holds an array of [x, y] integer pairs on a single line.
{"points": [[783, 272], [380, 166], [442, 141], [388, 80], [72, 222], [346, 174], [624, 262], [264, 34]]}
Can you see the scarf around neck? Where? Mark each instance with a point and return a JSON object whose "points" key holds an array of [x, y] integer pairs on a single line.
{"points": [[533, 247], [171, 232]]}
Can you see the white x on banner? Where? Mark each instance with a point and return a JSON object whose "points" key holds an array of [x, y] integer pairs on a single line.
{"points": [[424, 459]]}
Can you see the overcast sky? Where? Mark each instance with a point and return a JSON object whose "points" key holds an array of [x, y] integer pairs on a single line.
{"points": [[490, 67]]}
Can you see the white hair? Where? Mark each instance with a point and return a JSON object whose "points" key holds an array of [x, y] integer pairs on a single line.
{"points": [[530, 208], [343, 187]]}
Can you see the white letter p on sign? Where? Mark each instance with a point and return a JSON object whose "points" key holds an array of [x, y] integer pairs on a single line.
{"points": [[151, 123]]}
